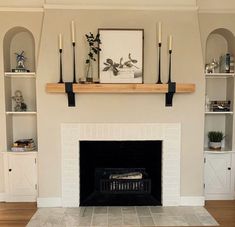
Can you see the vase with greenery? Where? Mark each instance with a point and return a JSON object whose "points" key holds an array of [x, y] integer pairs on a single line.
{"points": [[93, 42], [215, 139]]}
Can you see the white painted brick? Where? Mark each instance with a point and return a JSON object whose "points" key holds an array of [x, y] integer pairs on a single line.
{"points": [[72, 133]]}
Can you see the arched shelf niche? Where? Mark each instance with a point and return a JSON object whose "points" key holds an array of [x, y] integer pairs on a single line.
{"points": [[219, 42], [16, 40]]}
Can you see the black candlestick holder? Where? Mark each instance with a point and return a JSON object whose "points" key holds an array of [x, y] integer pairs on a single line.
{"points": [[61, 76], [159, 63], [74, 64], [169, 79]]}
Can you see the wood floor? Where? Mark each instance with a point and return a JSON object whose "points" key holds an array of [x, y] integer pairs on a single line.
{"points": [[16, 214], [19, 214], [223, 212]]}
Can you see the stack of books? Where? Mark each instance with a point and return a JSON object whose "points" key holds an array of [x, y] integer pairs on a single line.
{"points": [[23, 145]]}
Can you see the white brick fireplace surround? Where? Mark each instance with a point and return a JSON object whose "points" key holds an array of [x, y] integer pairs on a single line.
{"points": [[169, 134]]}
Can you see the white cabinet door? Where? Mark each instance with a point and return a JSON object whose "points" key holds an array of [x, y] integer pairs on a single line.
{"points": [[22, 177], [218, 175]]}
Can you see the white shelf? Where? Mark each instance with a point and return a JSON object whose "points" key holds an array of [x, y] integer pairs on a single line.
{"points": [[222, 151], [20, 152], [219, 113], [219, 75], [20, 75], [21, 113]]}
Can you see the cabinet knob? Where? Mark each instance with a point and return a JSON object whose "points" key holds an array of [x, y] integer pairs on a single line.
{"points": [[229, 168], [9, 170]]}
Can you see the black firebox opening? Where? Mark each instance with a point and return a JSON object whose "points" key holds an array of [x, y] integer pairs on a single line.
{"points": [[120, 173]]}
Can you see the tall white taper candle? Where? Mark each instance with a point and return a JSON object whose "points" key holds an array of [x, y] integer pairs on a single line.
{"points": [[73, 31], [60, 41], [170, 42], [159, 32]]}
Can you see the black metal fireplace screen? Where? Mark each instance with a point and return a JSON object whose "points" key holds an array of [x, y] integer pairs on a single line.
{"points": [[123, 180]]}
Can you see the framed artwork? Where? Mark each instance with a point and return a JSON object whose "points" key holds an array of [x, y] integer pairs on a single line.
{"points": [[121, 55]]}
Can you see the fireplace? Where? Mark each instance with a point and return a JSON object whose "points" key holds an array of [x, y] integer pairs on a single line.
{"points": [[168, 135], [116, 173]]}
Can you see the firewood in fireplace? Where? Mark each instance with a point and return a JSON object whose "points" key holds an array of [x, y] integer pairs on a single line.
{"points": [[128, 176]]}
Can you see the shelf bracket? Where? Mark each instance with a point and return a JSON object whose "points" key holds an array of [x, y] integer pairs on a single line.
{"points": [[70, 93], [170, 93]]}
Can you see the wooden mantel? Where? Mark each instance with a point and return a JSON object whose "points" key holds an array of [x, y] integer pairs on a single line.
{"points": [[119, 88]]}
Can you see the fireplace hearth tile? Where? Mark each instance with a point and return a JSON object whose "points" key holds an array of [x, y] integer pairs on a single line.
{"points": [[143, 211], [128, 210], [115, 221], [115, 211], [101, 210], [122, 217], [100, 220], [130, 220], [146, 221]]}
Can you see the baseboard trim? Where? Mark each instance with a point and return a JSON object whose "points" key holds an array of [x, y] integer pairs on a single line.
{"points": [[192, 200], [49, 202], [2, 197]]}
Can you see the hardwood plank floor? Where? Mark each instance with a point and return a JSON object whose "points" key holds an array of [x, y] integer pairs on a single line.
{"points": [[19, 214], [16, 214], [222, 211]]}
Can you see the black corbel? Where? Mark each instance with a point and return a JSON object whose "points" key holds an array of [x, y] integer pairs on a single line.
{"points": [[170, 93], [70, 93]]}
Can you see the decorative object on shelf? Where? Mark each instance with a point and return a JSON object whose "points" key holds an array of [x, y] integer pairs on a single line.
{"points": [[171, 85], [170, 52], [20, 106], [207, 103], [159, 51], [23, 145], [60, 52], [121, 59], [73, 44], [220, 106], [215, 139], [211, 67], [94, 49], [20, 59], [225, 62]]}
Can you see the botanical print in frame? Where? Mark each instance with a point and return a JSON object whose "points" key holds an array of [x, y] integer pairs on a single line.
{"points": [[121, 56]]}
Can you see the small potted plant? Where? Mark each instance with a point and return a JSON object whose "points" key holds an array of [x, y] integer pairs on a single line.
{"points": [[215, 139]]}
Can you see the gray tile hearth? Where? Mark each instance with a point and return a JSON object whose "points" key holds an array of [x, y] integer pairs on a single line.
{"points": [[122, 217]]}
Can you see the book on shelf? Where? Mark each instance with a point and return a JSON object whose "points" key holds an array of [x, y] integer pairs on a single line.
{"points": [[23, 145], [220, 106]]}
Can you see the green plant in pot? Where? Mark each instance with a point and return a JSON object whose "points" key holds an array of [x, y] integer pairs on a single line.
{"points": [[215, 139]]}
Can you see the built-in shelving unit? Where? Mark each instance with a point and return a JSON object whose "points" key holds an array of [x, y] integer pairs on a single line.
{"points": [[219, 164], [16, 40], [220, 87], [20, 167]]}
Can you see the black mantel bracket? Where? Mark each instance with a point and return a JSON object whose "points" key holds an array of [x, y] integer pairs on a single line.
{"points": [[70, 93], [170, 93]]}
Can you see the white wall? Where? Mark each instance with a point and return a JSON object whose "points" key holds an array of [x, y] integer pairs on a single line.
{"points": [[187, 67], [144, 108]]}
